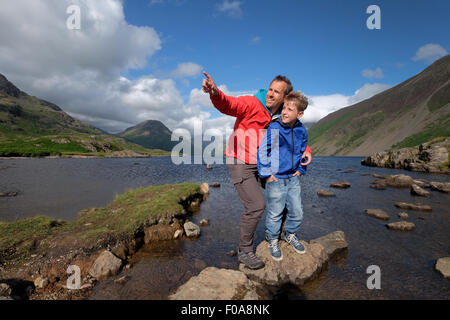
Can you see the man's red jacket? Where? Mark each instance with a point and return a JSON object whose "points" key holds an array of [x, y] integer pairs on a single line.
{"points": [[252, 118]]}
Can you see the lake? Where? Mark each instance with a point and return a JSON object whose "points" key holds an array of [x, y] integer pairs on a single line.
{"points": [[60, 188]]}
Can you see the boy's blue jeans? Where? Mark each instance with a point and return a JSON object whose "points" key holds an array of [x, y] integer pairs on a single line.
{"points": [[281, 193]]}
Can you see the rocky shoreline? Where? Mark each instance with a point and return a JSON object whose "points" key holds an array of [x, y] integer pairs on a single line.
{"points": [[431, 157], [40, 273]]}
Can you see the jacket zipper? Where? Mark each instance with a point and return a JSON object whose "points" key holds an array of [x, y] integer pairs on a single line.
{"points": [[293, 147]]}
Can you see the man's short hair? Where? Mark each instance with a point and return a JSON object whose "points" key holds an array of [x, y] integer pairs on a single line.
{"points": [[289, 87], [301, 101]]}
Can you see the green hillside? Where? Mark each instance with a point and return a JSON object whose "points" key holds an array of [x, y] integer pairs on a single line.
{"points": [[31, 127], [413, 112]]}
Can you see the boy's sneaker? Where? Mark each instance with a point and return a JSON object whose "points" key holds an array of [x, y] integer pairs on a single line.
{"points": [[293, 241], [250, 260], [275, 250]]}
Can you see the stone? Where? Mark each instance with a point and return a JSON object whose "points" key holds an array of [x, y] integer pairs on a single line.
{"points": [[403, 215], [401, 226], [121, 251], [410, 206], [5, 289], [341, 185], [208, 166], [422, 183], [204, 189], [379, 176], [349, 171], [333, 243], [418, 191], [295, 268], [191, 229], [379, 185], [443, 266], [122, 280], [231, 253], [86, 286], [204, 222], [377, 213], [325, 193], [178, 233], [440, 186], [41, 283], [215, 185], [220, 284], [399, 181], [105, 265]]}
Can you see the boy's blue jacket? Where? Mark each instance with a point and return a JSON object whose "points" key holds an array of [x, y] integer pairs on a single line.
{"points": [[280, 152]]}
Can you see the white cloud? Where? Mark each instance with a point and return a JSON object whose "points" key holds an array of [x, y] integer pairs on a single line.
{"points": [[187, 69], [429, 53], [231, 8], [372, 74], [255, 40], [321, 106]]}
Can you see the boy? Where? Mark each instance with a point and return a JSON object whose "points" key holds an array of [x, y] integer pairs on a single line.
{"points": [[279, 160]]}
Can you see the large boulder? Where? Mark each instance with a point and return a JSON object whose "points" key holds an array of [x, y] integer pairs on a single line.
{"points": [[333, 243], [431, 157], [325, 193], [105, 265], [443, 266], [220, 284], [399, 181], [294, 268]]}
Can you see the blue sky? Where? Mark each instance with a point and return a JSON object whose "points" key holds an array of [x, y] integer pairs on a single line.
{"points": [[321, 45], [136, 60]]}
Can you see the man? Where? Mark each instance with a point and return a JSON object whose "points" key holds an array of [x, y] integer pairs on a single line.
{"points": [[253, 114]]}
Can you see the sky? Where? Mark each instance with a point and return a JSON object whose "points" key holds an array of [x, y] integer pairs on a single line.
{"points": [[134, 60]]}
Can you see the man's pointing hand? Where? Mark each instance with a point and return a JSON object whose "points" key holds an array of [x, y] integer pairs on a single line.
{"points": [[209, 86]]}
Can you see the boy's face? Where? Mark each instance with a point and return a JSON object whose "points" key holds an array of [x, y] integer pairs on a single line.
{"points": [[290, 114]]}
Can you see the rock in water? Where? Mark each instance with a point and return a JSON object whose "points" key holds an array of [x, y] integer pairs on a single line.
{"points": [[399, 181], [204, 222], [333, 243], [220, 284], [440, 186], [204, 189], [105, 265], [418, 191], [191, 229], [443, 266], [41, 283], [341, 185], [401, 226], [403, 215], [377, 213], [410, 206], [325, 193], [294, 268]]}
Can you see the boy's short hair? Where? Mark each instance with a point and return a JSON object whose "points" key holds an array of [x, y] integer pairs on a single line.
{"points": [[301, 101]]}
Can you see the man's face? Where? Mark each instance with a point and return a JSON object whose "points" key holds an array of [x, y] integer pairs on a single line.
{"points": [[290, 113], [275, 95]]}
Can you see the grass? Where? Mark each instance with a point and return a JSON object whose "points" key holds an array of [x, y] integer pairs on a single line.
{"points": [[127, 214]]}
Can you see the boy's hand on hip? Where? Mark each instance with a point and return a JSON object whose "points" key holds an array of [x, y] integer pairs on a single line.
{"points": [[272, 178], [297, 174]]}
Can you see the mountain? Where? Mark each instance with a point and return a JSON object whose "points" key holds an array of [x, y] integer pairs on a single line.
{"points": [[151, 134], [30, 126], [413, 112]]}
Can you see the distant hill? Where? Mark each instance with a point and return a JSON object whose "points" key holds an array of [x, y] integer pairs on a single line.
{"points": [[30, 126], [151, 134], [415, 111]]}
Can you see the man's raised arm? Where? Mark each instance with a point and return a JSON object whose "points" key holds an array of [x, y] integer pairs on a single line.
{"points": [[225, 104]]}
